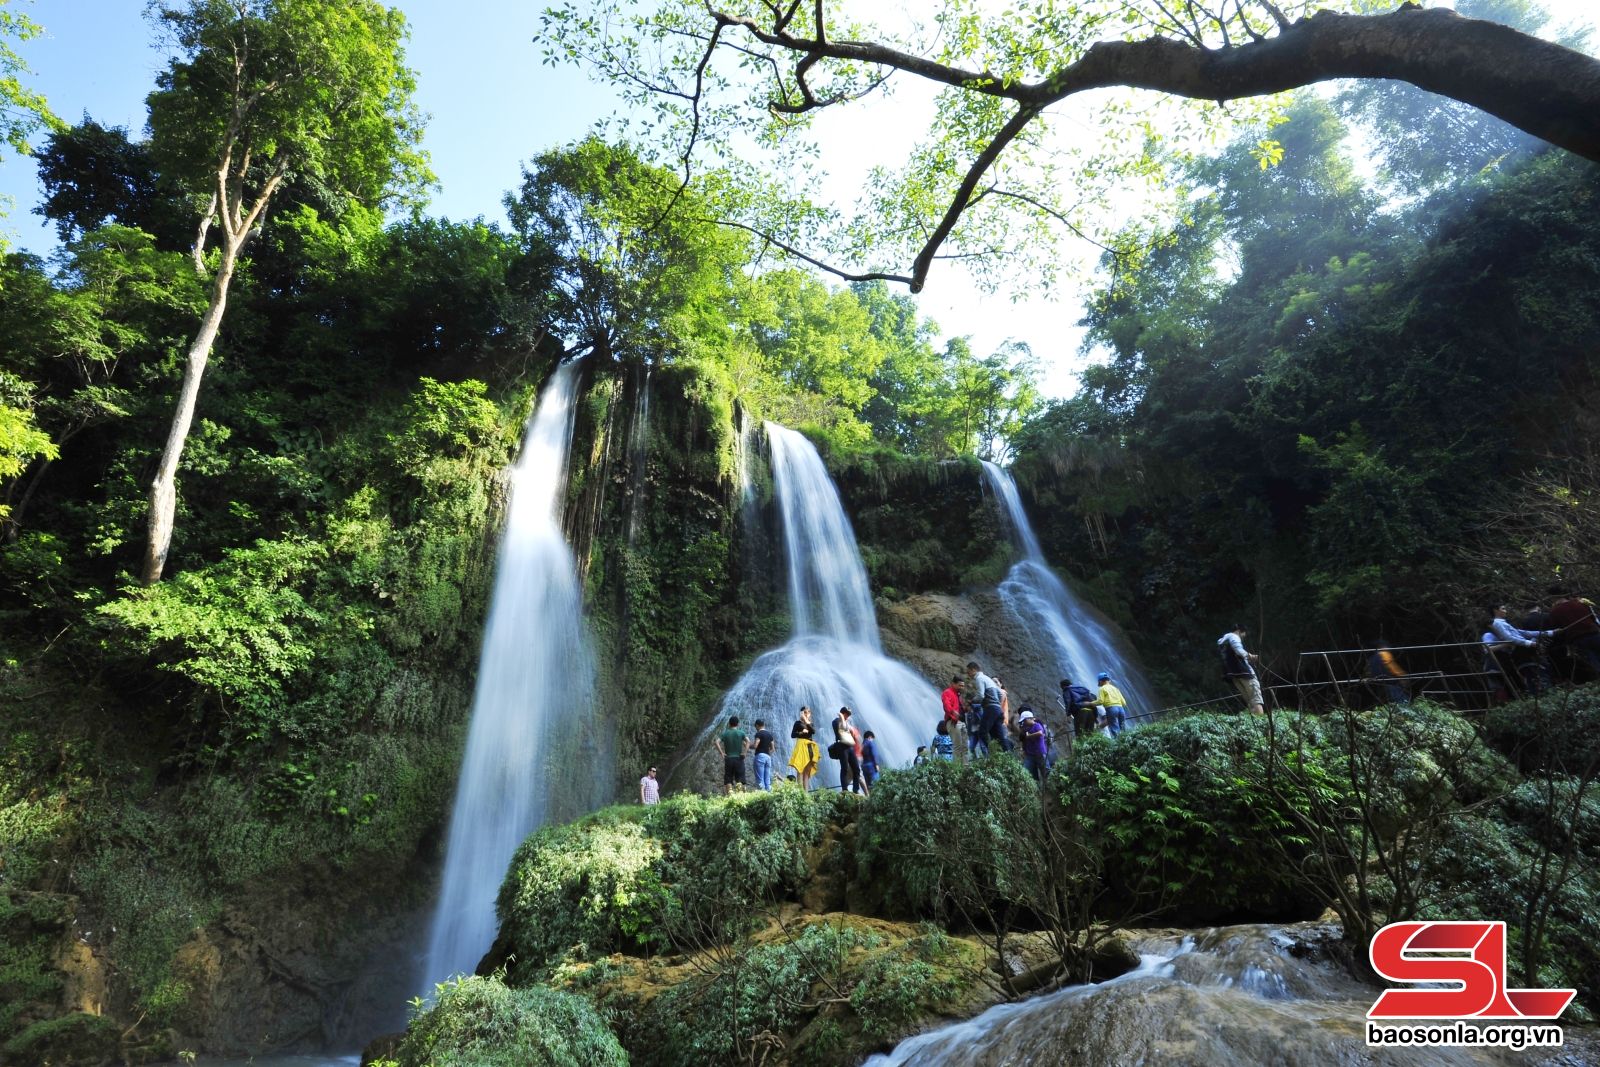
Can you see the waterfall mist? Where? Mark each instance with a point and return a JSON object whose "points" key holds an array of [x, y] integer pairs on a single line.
{"points": [[834, 656], [536, 681], [1072, 636]]}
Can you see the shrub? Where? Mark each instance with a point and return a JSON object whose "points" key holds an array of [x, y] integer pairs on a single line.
{"points": [[1189, 823], [480, 1022], [689, 870], [76, 1040], [906, 861]]}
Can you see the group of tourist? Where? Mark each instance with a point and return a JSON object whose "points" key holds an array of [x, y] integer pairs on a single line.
{"points": [[977, 720], [1558, 637], [976, 710]]}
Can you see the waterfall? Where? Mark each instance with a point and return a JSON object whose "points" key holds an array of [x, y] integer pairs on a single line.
{"points": [[834, 656], [1078, 641], [638, 457], [536, 673]]}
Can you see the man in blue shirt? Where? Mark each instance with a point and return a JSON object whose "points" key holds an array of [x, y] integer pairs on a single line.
{"points": [[1524, 648]]}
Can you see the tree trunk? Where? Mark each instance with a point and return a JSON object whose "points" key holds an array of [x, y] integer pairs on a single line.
{"points": [[164, 490]]}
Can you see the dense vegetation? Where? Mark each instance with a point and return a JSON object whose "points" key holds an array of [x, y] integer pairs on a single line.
{"points": [[284, 712], [1334, 408], [711, 928], [1342, 405]]}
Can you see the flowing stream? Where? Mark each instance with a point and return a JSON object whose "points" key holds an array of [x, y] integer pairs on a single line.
{"points": [[536, 673], [1074, 637], [834, 656], [1242, 996]]}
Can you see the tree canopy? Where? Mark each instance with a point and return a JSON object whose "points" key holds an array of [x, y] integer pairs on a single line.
{"points": [[983, 179]]}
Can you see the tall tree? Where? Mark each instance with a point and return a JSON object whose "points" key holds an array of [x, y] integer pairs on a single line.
{"points": [[630, 261], [261, 93], [979, 182]]}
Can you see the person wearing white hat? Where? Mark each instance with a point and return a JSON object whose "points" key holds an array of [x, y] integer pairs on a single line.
{"points": [[1035, 744]]}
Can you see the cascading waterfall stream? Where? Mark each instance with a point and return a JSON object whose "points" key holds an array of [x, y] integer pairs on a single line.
{"points": [[1243, 996], [536, 672], [1079, 643], [835, 656]]}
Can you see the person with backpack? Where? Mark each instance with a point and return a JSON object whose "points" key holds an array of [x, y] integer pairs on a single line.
{"points": [[1035, 744], [1079, 705], [991, 726], [1238, 667], [843, 749], [950, 699]]}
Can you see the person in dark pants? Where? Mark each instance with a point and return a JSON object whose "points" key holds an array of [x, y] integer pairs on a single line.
{"points": [[869, 757], [1035, 747], [843, 749], [991, 726], [1079, 705], [1573, 619], [733, 743]]}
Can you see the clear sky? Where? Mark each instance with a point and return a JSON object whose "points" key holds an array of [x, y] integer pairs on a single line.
{"points": [[493, 105]]}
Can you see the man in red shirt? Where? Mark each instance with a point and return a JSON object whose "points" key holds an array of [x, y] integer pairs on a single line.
{"points": [[1572, 618], [951, 698]]}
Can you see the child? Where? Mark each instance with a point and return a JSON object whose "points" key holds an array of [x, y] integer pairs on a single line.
{"points": [[944, 746], [922, 756]]}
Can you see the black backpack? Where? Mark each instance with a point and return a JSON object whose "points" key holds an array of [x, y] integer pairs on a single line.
{"points": [[1233, 664]]}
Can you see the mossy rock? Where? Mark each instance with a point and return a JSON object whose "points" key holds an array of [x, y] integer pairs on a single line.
{"points": [[480, 1022], [635, 880], [76, 1040], [803, 989]]}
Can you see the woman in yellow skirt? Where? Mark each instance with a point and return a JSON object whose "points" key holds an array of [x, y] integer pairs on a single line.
{"points": [[806, 757]]}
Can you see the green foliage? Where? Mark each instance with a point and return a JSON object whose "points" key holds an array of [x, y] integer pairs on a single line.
{"points": [[321, 91], [22, 111], [884, 986], [30, 929], [689, 871], [1304, 433], [479, 1022], [77, 1038], [902, 834]]}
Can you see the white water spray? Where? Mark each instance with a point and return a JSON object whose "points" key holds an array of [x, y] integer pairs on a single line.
{"points": [[835, 656], [536, 673], [1077, 642]]}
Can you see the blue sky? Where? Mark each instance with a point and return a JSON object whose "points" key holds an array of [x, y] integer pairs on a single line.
{"points": [[493, 105]]}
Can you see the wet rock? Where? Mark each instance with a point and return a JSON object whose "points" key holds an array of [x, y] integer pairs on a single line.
{"points": [[1247, 996]]}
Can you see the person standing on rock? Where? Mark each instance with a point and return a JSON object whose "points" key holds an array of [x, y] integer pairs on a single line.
{"points": [[951, 700], [1035, 745], [649, 788], [1115, 703], [733, 743], [869, 758], [1005, 715], [987, 694], [764, 744], [806, 757], [943, 746], [1078, 703], [1238, 667], [843, 749]]}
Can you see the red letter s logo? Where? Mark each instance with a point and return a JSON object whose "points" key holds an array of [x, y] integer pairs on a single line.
{"points": [[1479, 975]]}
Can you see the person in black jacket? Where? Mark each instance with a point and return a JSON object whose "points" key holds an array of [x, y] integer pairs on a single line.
{"points": [[806, 757]]}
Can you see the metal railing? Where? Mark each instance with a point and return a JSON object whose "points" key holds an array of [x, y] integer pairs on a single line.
{"points": [[1467, 675]]}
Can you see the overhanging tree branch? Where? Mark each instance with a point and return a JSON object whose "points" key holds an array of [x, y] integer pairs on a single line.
{"points": [[1541, 87]]}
